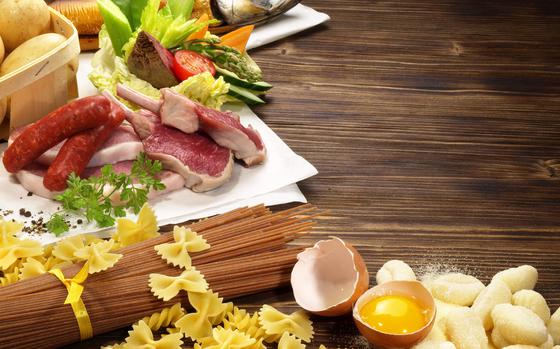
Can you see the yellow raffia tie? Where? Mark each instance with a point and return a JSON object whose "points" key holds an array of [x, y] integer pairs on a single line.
{"points": [[75, 289]]}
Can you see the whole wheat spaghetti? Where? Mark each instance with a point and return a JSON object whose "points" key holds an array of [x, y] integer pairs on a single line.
{"points": [[248, 254]]}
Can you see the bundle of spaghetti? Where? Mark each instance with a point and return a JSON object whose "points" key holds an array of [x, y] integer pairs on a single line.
{"points": [[248, 254]]}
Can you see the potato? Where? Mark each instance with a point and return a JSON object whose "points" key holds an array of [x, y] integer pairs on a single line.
{"points": [[21, 20], [30, 50], [2, 51]]}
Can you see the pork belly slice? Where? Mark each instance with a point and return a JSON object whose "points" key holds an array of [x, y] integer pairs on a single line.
{"points": [[123, 144], [181, 113], [31, 178], [203, 164]]}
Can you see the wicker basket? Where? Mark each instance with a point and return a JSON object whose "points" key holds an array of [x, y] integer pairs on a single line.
{"points": [[43, 84]]}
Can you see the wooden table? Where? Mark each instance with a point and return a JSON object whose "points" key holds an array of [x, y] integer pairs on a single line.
{"points": [[435, 127]]}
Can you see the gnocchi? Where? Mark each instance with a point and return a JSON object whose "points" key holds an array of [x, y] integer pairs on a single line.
{"points": [[534, 301], [498, 340], [518, 325], [437, 334], [522, 277], [497, 292], [394, 270], [457, 288], [432, 344], [554, 326], [464, 328], [549, 344]]}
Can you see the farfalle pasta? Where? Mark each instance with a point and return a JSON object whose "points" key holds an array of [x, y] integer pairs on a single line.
{"points": [[166, 287], [198, 325], [177, 253], [9, 228], [226, 339], [142, 337], [32, 267], [64, 249], [288, 341], [165, 318], [276, 323], [218, 319], [130, 232], [98, 256], [240, 319], [35, 266], [12, 248], [10, 278]]}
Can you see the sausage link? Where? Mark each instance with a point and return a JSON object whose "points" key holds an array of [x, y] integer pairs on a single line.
{"points": [[78, 150], [74, 117]]}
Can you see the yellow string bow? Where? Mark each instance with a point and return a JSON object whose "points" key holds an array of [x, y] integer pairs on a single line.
{"points": [[75, 289]]}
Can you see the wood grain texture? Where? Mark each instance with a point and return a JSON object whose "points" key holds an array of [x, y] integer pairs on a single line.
{"points": [[435, 127]]}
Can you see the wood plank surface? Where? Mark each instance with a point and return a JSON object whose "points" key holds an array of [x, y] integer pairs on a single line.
{"points": [[435, 127]]}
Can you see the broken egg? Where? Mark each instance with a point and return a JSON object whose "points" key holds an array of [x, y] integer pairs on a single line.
{"points": [[329, 277], [395, 314]]}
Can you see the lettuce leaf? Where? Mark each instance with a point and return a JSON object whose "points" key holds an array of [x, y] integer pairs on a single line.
{"points": [[170, 25], [116, 22], [204, 89], [109, 70]]}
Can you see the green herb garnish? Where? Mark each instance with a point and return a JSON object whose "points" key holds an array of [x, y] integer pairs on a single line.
{"points": [[91, 197]]}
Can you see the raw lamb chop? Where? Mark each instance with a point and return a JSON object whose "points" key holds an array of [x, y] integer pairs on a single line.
{"points": [[225, 129], [203, 164], [31, 178], [122, 145]]}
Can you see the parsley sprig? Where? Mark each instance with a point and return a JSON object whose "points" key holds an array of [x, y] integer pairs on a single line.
{"points": [[93, 198]]}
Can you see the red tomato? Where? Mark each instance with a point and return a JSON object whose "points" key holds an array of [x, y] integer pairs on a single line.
{"points": [[189, 63]]}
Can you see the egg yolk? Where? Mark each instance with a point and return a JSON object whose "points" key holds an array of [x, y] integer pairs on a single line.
{"points": [[394, 314]]}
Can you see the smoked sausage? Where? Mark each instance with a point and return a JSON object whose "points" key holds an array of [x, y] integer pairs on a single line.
{"points": [[74, 117], [78, 150]]}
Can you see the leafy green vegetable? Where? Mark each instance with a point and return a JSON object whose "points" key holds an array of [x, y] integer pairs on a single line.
{"points": [[136, 9], [170, 25], [117, 24], [205, 89], [132, 9], [93, 198], [180, 8]]}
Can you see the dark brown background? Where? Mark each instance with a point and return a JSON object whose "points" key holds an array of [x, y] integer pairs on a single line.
{"points": [[435, 127]]}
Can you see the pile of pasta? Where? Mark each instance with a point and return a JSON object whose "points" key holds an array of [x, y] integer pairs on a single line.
{"points": [[211, 324], [507, 313], [171, 287]]}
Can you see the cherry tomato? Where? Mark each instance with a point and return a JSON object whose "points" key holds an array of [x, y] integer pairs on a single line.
{"points": [[189, 63]]}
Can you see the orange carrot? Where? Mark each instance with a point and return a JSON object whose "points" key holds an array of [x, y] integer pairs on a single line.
{"points": [[200, 34], [238, 38]]}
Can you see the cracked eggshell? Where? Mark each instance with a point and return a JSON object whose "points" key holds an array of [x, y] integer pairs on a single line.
{"points": [[329, 277]]}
